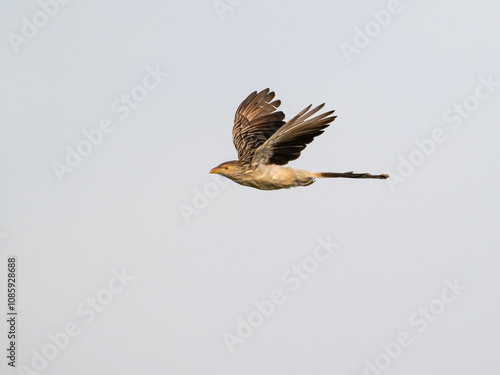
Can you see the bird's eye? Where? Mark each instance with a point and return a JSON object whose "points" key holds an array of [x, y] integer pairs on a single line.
{"points": [[225, 167]]}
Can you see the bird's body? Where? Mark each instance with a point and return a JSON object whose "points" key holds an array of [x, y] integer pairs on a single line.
{"points": [[269, 177], [265, 143]]}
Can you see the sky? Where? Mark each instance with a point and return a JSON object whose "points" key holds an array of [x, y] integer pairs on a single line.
{"points": [[121, 254]]}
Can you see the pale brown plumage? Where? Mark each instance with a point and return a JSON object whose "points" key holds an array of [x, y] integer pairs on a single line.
{"points": [[264, 143]]}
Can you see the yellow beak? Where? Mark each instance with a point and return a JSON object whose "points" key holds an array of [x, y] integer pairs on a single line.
{"points": [[213, 170]]}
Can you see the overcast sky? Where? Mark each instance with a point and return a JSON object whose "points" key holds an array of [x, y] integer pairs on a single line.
{"points": [[132, 259]]}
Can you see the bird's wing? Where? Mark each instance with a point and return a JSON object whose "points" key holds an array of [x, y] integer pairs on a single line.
{"points": [[289, 140], [255, 121]]}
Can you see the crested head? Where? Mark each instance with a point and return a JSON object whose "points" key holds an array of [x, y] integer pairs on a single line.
{"points": [[229, 168]]}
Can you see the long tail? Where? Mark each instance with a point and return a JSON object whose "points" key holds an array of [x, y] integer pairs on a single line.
{"points": [[349, 175]]}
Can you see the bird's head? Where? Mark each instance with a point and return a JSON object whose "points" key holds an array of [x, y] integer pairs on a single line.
{"points": [[229, 168]]}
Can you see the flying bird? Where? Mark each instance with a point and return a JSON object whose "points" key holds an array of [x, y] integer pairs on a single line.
{"points": [[265, 143]]}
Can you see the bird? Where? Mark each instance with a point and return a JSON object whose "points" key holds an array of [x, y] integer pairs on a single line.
{"points": [[265, 144]]}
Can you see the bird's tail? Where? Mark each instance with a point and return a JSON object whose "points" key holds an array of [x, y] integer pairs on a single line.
{"points": [[349, 175]]}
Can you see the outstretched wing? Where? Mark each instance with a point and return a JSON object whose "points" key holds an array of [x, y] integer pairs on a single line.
{"points": [[289, 140], [255, 122]]}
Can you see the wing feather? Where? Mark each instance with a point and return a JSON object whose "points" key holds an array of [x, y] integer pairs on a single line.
{"points": [[291, 139], [256, 120]]}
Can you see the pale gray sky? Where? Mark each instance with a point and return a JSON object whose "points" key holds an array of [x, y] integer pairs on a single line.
{"points": [[154, 264]]}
